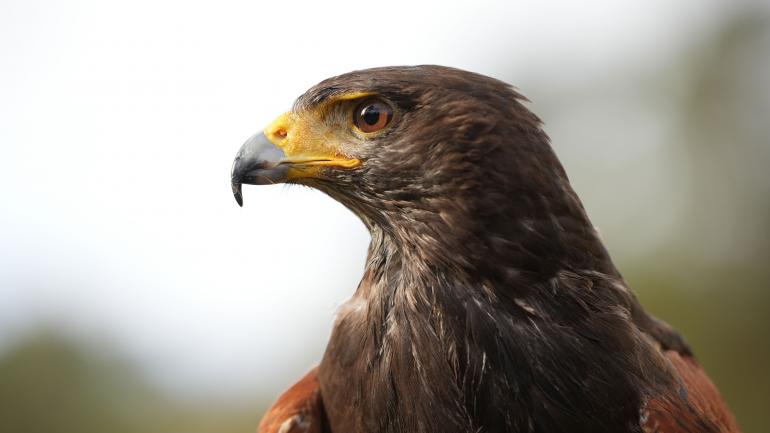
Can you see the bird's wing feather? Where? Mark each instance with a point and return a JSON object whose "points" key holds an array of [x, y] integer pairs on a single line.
{"points": [[298, 410], [698, 406]]}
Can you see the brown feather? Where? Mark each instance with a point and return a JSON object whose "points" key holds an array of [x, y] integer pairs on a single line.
{"points": [[298, 410], [697, 407]]}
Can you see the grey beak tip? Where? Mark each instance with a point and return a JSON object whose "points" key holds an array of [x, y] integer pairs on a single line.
{"points": [[258, 162], [238, 194]]}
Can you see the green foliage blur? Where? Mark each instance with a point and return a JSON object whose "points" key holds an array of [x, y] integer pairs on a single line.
{"points": [[53, 383], [710, 280]]}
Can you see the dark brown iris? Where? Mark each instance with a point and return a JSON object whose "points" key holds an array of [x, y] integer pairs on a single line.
{"points": [[372, 115]]}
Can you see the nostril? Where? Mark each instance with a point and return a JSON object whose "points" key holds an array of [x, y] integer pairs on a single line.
{"points": [[281, 133]]}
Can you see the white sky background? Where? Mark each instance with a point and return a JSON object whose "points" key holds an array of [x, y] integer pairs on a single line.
{"points": [[119, 122]]}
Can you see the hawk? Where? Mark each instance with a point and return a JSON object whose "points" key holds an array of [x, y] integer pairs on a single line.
{"points": [[488, 302]]}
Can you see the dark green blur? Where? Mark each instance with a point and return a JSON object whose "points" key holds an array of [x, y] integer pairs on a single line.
{"points": [[52, 383]]}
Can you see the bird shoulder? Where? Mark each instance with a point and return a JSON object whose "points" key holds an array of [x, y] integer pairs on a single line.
{"points": [[298, 410]]}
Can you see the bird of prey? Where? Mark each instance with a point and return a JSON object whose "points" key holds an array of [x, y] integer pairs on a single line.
{"points": [[488, 302]]}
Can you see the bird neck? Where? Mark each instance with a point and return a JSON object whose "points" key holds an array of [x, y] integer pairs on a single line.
{"points": [[444, 330], [439, 343], [518, 245]]}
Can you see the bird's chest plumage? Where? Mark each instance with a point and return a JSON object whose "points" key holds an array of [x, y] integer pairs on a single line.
{"points": [[396, 379], [464, 368]]}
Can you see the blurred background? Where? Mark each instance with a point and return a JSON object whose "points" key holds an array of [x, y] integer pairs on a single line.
{"points": [[136, 296]]}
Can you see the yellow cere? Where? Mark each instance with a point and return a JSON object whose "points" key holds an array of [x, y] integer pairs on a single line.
{"points": [[309, 141]]}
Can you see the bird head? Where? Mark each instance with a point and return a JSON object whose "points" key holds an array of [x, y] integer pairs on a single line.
{"points": [[421, 152]]}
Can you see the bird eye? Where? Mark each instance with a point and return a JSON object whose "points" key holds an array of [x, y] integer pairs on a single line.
{"points": [[372, 115]]}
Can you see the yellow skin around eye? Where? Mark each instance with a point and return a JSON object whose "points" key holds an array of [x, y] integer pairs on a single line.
{"points": [[310, 142]]}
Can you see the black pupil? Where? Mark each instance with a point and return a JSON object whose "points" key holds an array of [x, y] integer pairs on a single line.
{"points": [[371, 115]]}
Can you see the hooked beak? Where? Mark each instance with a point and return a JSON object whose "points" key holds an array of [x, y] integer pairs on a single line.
{"points": [[258, 162], [292, 148]]}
